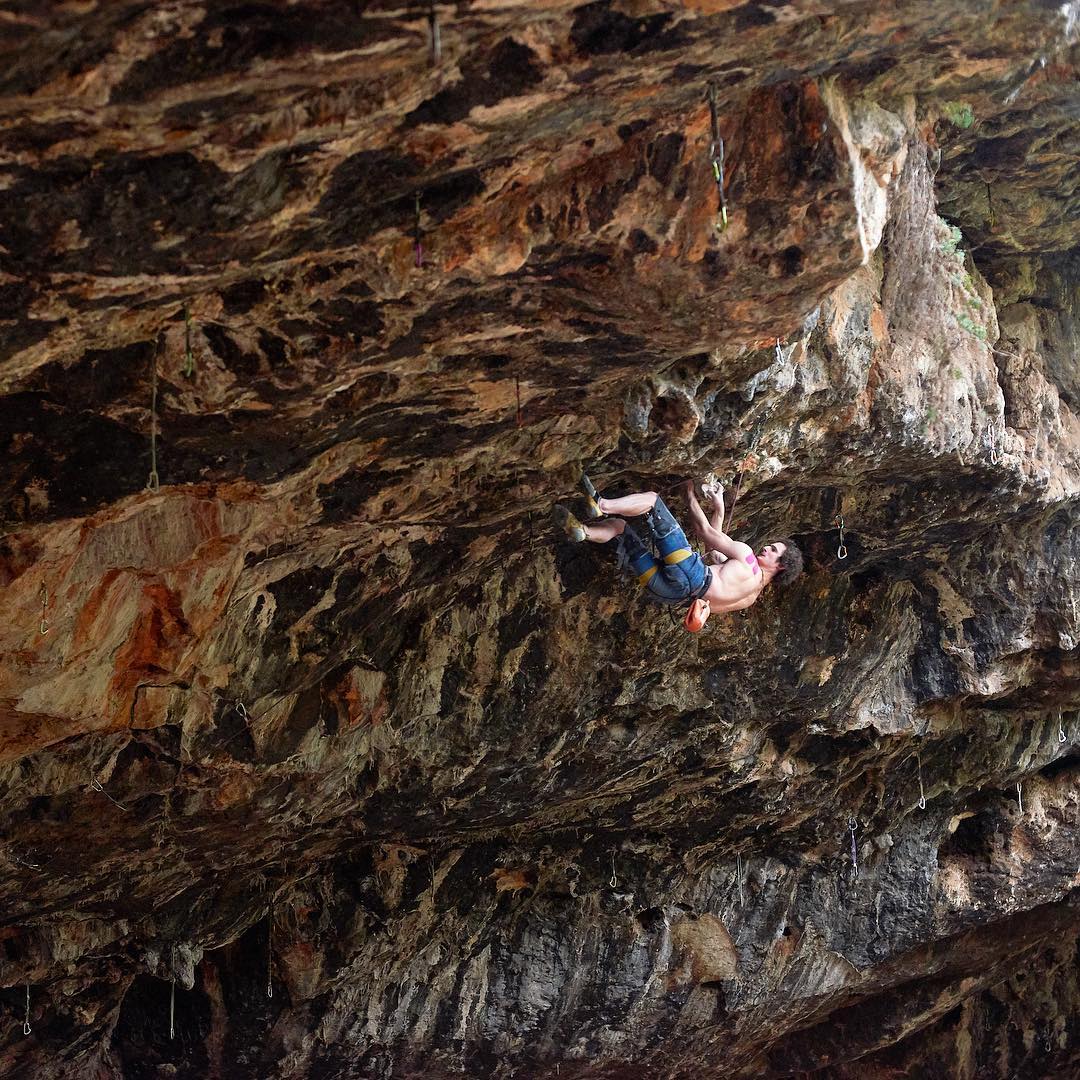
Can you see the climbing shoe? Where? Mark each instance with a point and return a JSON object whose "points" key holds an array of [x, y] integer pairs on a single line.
{"points": [[592, 497], [575, 531]]}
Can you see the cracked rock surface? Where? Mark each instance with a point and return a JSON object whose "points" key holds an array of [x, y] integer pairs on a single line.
{"points": [[327, 749]]}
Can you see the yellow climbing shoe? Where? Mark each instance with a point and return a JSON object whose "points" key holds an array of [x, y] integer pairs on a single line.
{"points": [[575, 531], [592, 496]]}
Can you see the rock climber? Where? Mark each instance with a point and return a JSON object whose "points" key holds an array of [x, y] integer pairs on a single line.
{"points": [[734, 581]]}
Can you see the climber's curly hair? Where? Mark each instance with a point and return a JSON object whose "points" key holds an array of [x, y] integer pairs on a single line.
{"points": [[791, 562]]}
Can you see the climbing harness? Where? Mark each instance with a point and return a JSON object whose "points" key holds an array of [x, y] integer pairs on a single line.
{"points": [[922, 794], [852, 826], [1020, 795], [95, 784], [841, 550], [270, 953], [189, 357], [418, 235], [43, 596], [436, 36], [739, 877], [613, 881], [153, 483], [26, 1018], [716, 157]]}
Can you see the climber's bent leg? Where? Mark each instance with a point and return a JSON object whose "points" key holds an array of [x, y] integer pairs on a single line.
{"points": [[635, 505], [633, 554], [600, 532]]}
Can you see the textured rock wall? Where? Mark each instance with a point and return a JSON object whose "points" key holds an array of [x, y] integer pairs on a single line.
{"points": [[334, 709]]}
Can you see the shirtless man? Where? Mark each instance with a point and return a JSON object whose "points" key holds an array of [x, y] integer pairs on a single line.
{"points": [[680, 574]]}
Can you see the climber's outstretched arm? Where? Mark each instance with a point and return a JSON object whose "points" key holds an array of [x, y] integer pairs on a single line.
{"points": [[713, 539], [716, 520]]}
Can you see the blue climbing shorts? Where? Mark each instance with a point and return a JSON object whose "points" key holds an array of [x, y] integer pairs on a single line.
{"points": [[679, 574]]}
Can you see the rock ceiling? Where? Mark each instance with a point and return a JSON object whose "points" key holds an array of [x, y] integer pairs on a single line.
{"points": [[325, 751]]}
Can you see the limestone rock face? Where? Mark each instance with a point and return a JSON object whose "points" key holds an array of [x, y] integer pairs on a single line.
{"points": [[326, 749]]}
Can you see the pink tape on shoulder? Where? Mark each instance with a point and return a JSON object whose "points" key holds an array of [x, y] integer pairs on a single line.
{"points": [[751, 561]]}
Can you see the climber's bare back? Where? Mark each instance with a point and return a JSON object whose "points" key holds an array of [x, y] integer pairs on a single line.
{"points": [[737, 583]]}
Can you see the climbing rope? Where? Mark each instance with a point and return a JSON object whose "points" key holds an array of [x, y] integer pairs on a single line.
{"points": [[43, 596], [841, 550], [716, 157], [26, 1018], [743, 468], [153, 483]]}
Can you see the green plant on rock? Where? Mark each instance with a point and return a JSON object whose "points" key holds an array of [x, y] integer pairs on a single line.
{"points": [[967, 323], [959, 113], [949, 244]]}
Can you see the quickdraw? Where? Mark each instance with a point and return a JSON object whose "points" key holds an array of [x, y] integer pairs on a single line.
{"points": [[852, 826], [43, 596], [26, 1019], [418, 235], [922, 794], [841, 550], [96, 785], [189, 356], [716, 157], [153, 483], [436, 36], [270, 953]]}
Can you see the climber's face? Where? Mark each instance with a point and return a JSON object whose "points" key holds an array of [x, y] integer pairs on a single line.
{"points": [[770, 555]]}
